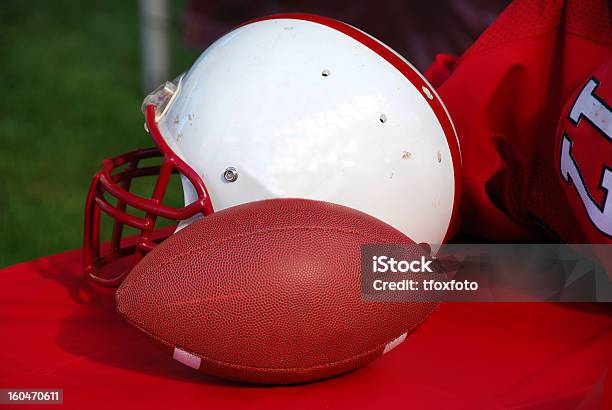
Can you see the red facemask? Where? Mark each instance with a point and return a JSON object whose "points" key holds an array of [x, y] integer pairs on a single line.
{"points": [[114, 180]]}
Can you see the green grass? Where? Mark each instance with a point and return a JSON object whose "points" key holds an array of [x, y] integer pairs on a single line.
{"points": [[70, 73]]}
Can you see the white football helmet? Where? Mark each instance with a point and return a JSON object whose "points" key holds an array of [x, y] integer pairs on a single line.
{"points": [[291, 106]]}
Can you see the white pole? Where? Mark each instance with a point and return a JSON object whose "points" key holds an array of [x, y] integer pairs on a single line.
{"points": [[155, 55]]}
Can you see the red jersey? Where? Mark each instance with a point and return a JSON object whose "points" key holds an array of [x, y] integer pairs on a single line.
{"points": [[531, 104]]}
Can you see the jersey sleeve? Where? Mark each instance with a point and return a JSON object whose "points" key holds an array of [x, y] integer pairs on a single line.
{"points": [[583, 155], [506, 95]]}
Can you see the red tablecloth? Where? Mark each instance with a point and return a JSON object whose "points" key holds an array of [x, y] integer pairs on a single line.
{"points": [[58, 331]]}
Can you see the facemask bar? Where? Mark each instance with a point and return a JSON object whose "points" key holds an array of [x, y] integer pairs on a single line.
{"points": [[118, 184]]}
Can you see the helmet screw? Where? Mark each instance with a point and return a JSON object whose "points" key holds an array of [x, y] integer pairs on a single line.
{"points": [[230, 174]]}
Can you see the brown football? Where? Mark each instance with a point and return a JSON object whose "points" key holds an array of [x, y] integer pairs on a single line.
{"points": [[268, 292]]}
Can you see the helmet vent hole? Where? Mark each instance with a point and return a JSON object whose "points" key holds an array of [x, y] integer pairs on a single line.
{"points": [[325, 73], [383, 118]]}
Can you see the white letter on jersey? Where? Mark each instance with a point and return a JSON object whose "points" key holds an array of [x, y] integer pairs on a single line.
{"points": [[589, 107], [598, 114], [602, 219]]}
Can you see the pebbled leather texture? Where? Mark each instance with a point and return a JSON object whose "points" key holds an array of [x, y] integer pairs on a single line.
{"points": [[268, 292]]}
